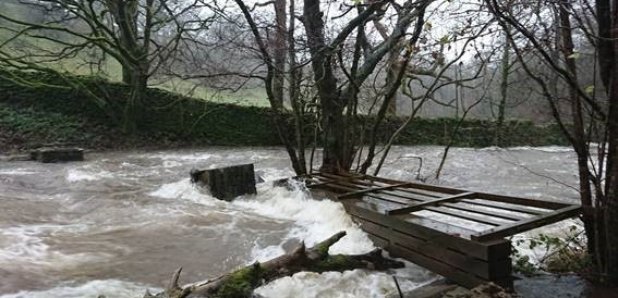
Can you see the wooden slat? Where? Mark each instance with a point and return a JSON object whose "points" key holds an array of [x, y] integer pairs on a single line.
{"points": [[476, 249], [487, 196], [439, 253], [422, 205], [368, 190], [510, 207], [514, 201], [480, 219], [509, 216], [461, 277], [523, 201], [410, 187], [513, 224], [451, 228], [518, 227]]}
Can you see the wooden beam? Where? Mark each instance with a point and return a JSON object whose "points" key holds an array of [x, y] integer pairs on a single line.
{"points": [[480, 250], [534, 222], [420, 206], [496, 213], [510, 207], [486, 220], [487, 196], [374, 189], [438, 252], [379, 194]]}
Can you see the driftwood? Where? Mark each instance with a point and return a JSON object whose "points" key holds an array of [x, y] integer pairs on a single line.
{"points": [[242, 282]]}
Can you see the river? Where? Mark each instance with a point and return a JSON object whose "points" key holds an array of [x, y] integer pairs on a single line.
{"points": [[121, 222]]}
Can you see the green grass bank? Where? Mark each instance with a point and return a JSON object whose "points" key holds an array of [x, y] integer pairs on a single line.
{"points": [[48, 111]]}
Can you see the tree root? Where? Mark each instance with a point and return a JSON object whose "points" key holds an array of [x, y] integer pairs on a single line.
{"points": [[242, 282]]}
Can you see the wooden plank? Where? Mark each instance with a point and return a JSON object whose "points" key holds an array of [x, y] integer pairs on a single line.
{"points": [[422, 205], [406, 188], [441, 226], [487, 196], [466, 263], [523, 201], [377, 240], [518, 227], [497, 214], [513, 208], [461, 277], [476, 249], [510, 207], [424, 186], [479, 219], [451, 228], [368, 190]]}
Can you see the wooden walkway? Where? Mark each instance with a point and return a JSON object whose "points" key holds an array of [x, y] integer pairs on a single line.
{"points": [[456, 233]]}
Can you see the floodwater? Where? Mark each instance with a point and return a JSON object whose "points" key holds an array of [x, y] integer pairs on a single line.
{"points": [[122, 222]]}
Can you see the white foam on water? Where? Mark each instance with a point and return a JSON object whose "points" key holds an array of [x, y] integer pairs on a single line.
{"points": [[17, 172], [185, 190], [109, 288], [26, 245], [315, 220], [171, 164], [83, 174], [182, 156], [263, 254], [347, 284], [550, 149]]}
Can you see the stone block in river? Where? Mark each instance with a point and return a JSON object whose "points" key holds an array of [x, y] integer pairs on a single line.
{"points": [[227, 183], [48, 155]]}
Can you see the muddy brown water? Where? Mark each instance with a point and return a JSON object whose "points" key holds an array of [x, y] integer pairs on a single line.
{"points": [[121, 222]]}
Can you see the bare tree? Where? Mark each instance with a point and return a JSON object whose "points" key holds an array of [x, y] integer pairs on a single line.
{"points": [[141, 35], [591, 121]]}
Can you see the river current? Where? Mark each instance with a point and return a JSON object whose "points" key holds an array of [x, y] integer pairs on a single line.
{"points": [[121, 222]]}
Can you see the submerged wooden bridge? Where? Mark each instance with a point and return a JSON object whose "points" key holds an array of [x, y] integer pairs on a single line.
{"points": [[456, 233]]}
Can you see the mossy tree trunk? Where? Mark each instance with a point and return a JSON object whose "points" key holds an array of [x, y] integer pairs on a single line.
{"points": [[242, 282]]}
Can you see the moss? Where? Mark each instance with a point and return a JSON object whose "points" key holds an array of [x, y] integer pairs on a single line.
{"points": [[336, 263], [241, 283], [322, 249]]}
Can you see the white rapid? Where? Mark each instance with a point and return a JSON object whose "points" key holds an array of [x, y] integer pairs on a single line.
{"points": [[120, 223]]}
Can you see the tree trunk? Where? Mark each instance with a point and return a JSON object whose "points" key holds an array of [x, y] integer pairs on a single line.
{"points": [[295, 77], [279, 50], [394, 67], [330, 102], [579, 134], [611, 183], [242, 282], [504, 88]]}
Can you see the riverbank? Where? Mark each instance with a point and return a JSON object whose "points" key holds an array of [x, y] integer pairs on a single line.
{"points": [[85, 114]]}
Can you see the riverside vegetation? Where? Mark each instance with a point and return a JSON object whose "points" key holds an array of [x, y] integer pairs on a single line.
{"points": [[43, 114]]}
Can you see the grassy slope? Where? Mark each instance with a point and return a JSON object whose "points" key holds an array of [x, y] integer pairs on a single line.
{"points": [[35, 116]]}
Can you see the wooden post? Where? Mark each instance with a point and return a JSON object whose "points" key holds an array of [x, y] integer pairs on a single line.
{"points": [[48, 155], [227, 183]]}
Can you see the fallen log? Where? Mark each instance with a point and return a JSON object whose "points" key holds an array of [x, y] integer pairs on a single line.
{"points": [[242, 282]]}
